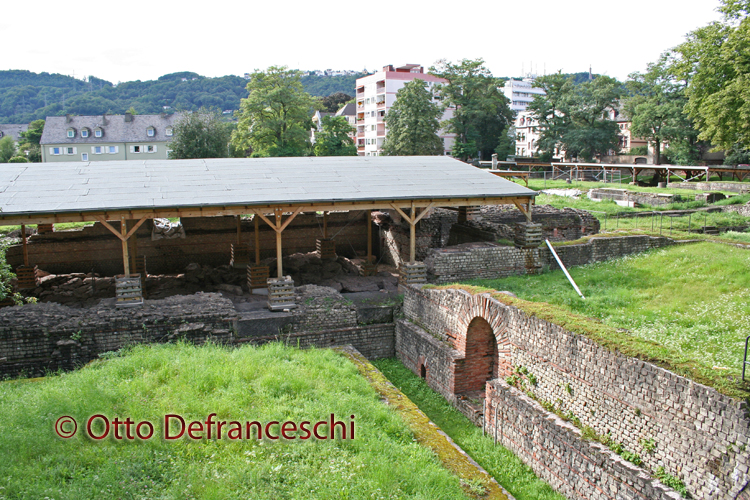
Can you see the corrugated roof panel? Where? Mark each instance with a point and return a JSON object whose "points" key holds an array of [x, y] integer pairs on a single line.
{"points": [[109, 185]]}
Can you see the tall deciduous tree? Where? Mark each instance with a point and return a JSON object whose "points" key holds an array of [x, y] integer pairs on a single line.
{"points": [[656, 107], [7, 149], [29, 145], [200, 135], [715, 62], [334, 139], [413, 122], [482, 116], [275, 119], [573, 117]]}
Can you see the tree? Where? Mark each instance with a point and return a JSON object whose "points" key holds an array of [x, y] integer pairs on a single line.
{"points": [[30, 141], [200, 135], [656, 107], [275, 119], [333, 102], [715, 63], [7, 149], [482, 116], [573, 117], [413, 123], [334, 139]]}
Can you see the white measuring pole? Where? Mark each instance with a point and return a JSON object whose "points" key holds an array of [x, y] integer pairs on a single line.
{"points": [[562, 266]]}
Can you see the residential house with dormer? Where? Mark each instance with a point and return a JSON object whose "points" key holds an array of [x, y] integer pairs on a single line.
{"points": [[107, 137]]}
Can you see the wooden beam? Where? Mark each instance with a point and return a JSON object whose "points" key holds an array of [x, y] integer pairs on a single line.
{"points": [[403, 214], [239, 229], [368, 216], [135, 228], [325, 225], [423, 212], [25, 248], [290, 218], [523, 211], [279, 268], [111, 228]]}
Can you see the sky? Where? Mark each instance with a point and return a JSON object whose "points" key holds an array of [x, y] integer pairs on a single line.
{"points": [[144, 39]]}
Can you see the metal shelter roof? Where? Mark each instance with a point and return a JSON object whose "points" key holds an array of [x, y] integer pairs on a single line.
{"points": [[34, 191]]}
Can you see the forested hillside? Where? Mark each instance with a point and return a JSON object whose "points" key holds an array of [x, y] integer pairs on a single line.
{"points": [[27, 96]]}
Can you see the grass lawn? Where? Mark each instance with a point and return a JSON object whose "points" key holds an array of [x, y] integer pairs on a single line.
{"points": [[692, 299], [504, 466], [271, 383]]}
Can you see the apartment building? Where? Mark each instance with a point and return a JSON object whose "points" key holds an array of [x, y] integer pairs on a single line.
{"points": [[107, 137], [527, 133], [376, 94], [520, 93]]}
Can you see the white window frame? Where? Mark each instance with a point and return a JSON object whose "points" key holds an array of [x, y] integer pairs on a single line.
{"points": [[136, 149], [113, 150], [150, 148], [84, 157], [97, 150], [70, 150], [84, 133], [151, 131], [98, 132], [168, 131], [55, 151], [71, 133]]}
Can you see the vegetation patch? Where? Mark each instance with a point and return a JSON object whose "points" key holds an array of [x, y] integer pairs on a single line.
{"points": [[503, 465], [271, 383]]}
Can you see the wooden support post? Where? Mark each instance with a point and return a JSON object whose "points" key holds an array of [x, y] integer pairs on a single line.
{"points": [[368, 215], [239, 229], [325, 225], [132, 244], [256, 219], [125, 256], [25, 248], [279, 269]]}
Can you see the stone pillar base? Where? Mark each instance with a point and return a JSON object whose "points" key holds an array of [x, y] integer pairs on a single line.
{"points": [[128, 290], [281, 293], [414, 273], [528, 235], [26, 277], [257, 277], [240, 257], [326, 248]]}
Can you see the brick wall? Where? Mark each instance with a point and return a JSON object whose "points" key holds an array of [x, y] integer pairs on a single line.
{"points": [[491, 260], [207, 242], [701, 436]]}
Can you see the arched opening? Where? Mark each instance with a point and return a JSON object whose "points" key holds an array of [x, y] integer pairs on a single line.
{"points": [[423, 371], [480, 363]]}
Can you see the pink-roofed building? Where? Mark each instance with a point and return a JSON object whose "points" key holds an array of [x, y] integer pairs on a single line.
{"points": [[376, 94]]}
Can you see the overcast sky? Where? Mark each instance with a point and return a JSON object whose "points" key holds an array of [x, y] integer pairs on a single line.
{"points": [[144, 39]]}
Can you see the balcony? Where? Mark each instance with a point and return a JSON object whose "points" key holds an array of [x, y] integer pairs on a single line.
{"points": [[360, 133], [381, 130], [380, 104]]}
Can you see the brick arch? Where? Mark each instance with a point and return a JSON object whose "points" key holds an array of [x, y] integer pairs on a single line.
{"points": [[493, 313]]}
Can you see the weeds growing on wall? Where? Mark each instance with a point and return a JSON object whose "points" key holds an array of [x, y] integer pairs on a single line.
{"points": [[686, 308]]}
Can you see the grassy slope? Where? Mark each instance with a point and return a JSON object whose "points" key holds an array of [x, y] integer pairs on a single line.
{"points": [[505, 467], [269, 383], [686, 307]]}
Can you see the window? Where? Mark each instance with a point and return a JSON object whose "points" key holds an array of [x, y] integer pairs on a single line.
{"points": [[150, 131], [112, 149], [85, 132], [97, 150], [151, 149], [84, 157], [55, 151], [135, 149], [70, 151], [168, 131], [71, 133], [98, 132]]}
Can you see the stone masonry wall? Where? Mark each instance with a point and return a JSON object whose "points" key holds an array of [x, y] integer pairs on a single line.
{"points": [[700, 435], [207, 242], [491, 260]]}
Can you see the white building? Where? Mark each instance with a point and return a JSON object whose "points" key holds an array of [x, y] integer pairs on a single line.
{"points": [[376, 94], [527, 134], [520, 93]]}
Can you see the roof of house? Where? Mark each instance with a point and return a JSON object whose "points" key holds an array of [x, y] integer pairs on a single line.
{"points": [[348, 110], [116, 128], [80, 187], [12, 129]]}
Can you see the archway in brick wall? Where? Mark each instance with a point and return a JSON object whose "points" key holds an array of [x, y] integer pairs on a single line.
{"points": [[481, 358]]}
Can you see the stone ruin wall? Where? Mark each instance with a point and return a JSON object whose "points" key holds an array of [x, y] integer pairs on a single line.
{"points": [[36, 339], [207, 242], [701, 436], [441, 229], [491, 261]]}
